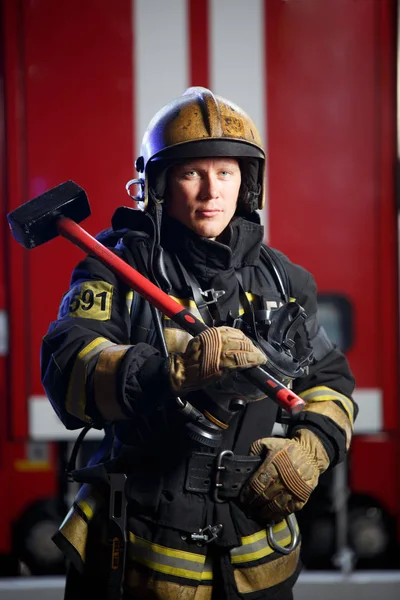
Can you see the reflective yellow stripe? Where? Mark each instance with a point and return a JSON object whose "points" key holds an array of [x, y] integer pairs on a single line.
{"points": [[250, 297], [265, 551], [207, 574], [86, 509], [76, 395], [192, 306], [255, 537], [168, 560], [169, 570], [129, 300], [200, 558], [89, 500], [256, 546], [189, 304], [322, 393]]}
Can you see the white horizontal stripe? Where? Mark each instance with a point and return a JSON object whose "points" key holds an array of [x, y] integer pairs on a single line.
{"points": [[375, 577], [237, 55], [237, 65], [45, 426], [370, 416], [160, 58], [13, 584]]}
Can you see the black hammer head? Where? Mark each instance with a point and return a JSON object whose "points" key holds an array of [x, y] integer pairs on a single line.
{"points": [[35, 222]]}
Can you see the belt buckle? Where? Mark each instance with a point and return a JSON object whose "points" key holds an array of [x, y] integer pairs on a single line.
{"points": [[220, 467]]}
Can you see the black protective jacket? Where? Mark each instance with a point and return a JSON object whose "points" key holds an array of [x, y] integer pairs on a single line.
{"points": [[102, 363]]}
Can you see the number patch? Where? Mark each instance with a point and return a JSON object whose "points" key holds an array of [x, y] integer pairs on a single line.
{"points": [[88, 300]]}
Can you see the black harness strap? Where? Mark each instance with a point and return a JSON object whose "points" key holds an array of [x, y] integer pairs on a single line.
{"points": [[142, 315], [193, 285], [243, 299], [256, 423], [277, 270]]}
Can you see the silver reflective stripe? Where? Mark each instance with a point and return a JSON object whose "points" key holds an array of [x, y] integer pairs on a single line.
{"points": [[256, 546], [169, 560], [324, 394]]}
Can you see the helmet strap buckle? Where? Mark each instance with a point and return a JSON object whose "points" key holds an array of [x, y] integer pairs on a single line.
{"points": [[140, 195]]}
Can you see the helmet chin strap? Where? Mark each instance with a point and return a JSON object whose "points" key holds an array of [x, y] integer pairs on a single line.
{"points": [[156, 266], [250, 189]]}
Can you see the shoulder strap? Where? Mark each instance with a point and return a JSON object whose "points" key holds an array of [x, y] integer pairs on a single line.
{"points": [[277, 269], [142, 322]]}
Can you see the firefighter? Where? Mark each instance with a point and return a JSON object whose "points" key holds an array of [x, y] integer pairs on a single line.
{"points": [[210, 508]]}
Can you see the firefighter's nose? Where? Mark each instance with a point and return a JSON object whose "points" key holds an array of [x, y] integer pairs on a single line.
{"points": [[209, 188]]}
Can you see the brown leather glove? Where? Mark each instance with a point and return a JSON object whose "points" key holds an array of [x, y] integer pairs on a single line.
{"points": [[284, 481], [209, 356]]}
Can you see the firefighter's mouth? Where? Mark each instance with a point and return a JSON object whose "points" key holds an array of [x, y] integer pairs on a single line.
{"points": [[209, 212]]}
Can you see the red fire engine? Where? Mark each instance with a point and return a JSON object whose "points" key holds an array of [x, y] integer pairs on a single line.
{"points": [[320, 83], [333, 73]]}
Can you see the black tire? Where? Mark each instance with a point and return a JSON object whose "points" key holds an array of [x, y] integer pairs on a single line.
{"points": [[32, 539], [372, 534]]}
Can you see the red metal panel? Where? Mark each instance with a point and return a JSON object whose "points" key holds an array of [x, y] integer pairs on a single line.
{"points": [[3, 252], [326, 108], [5, 537], [388, 348], [331, 139], [78, 69], [199, 42], [15, 194], [379, 453]]}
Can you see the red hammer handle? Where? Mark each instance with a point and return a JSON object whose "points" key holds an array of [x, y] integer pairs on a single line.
{"points": [[284, 397]]}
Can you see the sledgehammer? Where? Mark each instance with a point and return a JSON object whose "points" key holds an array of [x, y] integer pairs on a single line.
{"points": [[58, 212]]}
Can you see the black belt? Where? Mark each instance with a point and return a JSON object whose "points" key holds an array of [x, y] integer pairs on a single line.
{"points": [[224, 475]]}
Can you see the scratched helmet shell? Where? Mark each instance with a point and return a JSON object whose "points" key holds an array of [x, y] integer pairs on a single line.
{"points": [[199, 124]]}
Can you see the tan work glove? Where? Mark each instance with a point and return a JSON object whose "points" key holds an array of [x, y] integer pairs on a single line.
{"points": [[209, 356], [284, 481]]}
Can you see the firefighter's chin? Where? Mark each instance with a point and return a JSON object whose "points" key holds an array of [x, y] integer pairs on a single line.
{"points": [[209, 223]]}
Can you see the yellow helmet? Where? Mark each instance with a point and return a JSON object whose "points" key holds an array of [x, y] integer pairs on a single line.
{"points": [[201, 125]]}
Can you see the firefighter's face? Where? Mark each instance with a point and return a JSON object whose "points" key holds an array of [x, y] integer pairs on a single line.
{"points": [[203, 194]]}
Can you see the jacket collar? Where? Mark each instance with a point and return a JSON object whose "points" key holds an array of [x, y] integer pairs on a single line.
{"points": [[238, 246]]}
